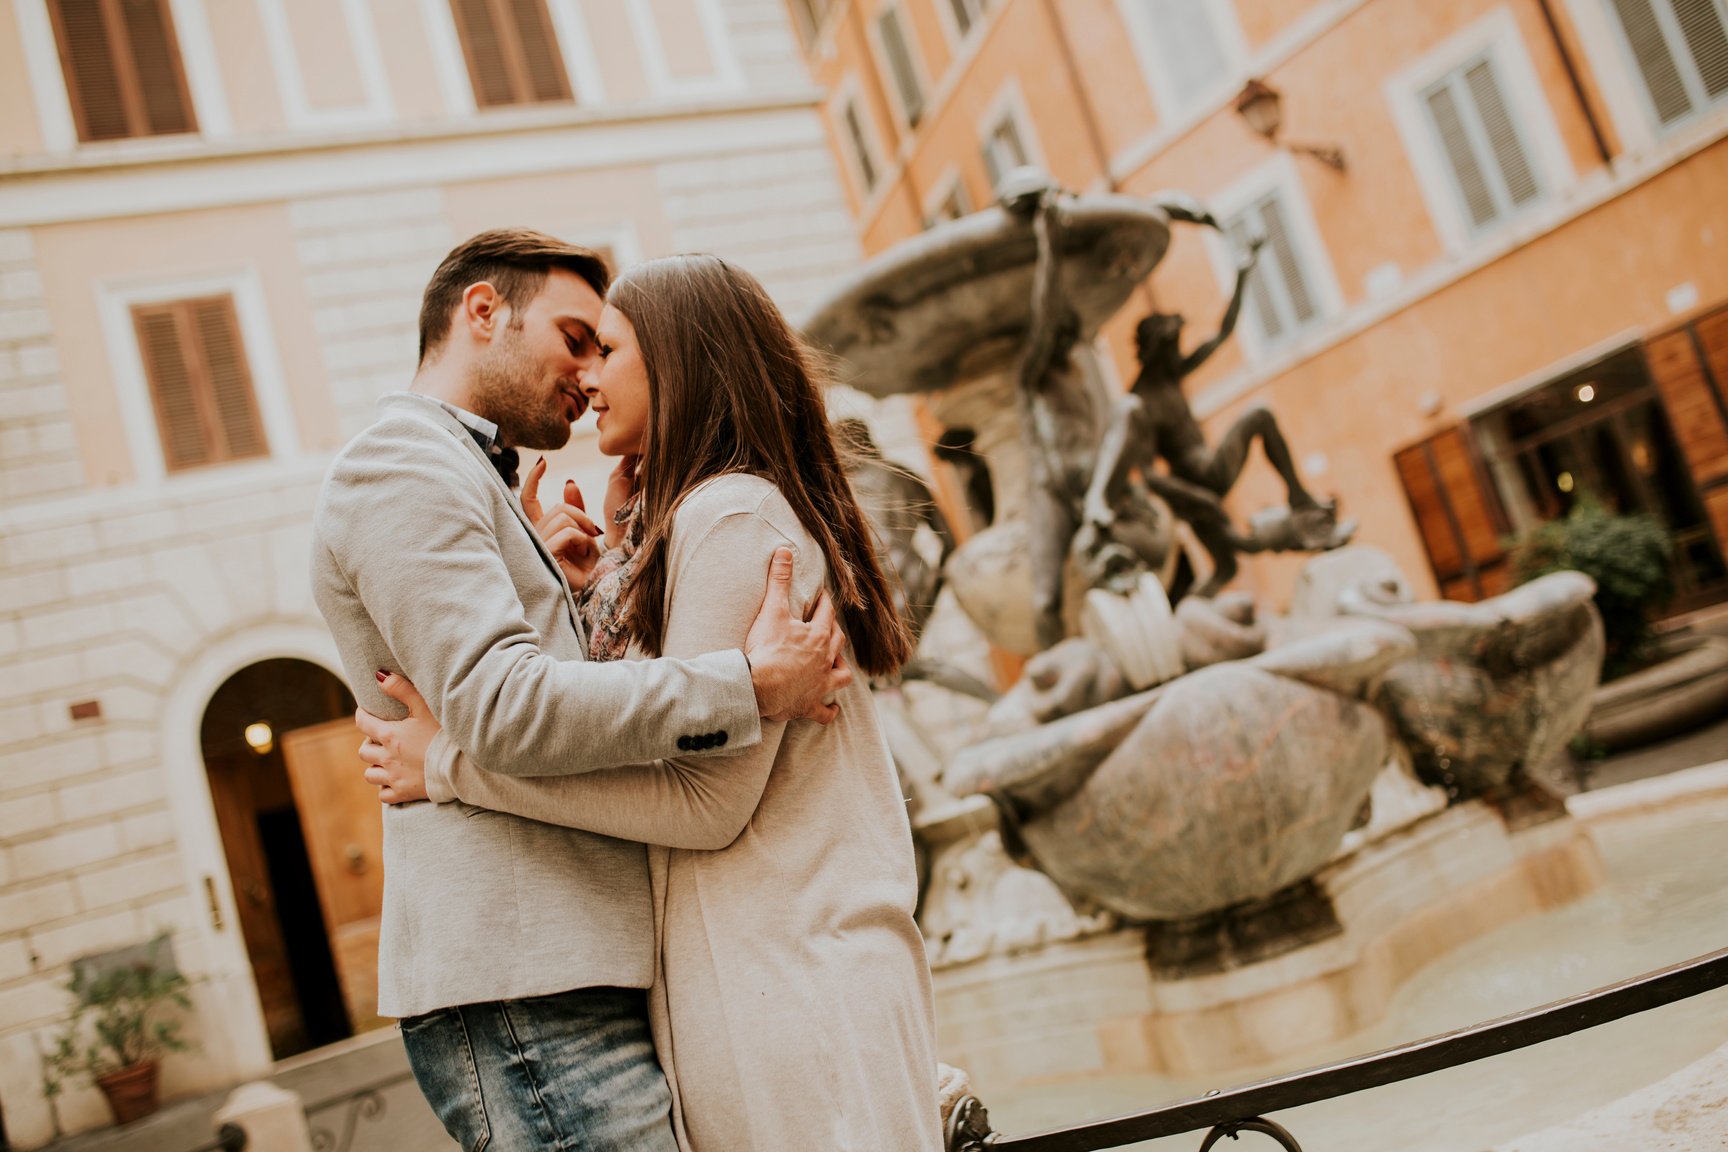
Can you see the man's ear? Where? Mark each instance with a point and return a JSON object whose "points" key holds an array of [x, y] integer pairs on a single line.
{"points": [[483, 311]]}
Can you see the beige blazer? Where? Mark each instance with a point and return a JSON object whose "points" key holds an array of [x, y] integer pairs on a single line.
{"points": [[424, 563], [792, 1006]]}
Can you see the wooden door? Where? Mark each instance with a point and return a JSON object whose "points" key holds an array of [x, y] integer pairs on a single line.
{"points": [[1690, 366], [344, 827], [1458, 515], [240, 788]]}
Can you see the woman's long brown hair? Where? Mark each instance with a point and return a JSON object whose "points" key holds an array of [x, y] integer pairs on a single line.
{"points": [[733, 389]]}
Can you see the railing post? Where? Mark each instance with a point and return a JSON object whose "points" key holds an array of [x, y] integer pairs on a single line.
{"points": [[273, 1118]]}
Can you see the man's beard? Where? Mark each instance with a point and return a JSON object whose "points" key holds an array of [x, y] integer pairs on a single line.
{"points": [[507, 391]]}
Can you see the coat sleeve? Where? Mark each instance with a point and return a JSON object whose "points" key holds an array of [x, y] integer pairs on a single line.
{"points": [[701, 803], [412, 538]]}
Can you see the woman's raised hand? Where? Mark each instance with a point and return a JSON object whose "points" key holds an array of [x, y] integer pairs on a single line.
{"points": [[566, 529], [395, 750]]}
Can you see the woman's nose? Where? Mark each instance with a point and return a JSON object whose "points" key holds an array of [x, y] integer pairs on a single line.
{"points": [[589, 377]]}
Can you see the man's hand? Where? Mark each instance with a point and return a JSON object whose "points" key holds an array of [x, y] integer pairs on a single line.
{"points": [[568, 532], [796, 666], [395, 750]]}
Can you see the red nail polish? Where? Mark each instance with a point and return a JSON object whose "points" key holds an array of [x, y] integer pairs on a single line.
{"points": [[382, 676]]}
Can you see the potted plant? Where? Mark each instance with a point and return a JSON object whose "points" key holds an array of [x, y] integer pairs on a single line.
{"points": [[115, 1036], [1653, 687]]}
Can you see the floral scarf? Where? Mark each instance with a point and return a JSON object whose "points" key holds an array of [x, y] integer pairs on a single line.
{"points": [[602, 601]]}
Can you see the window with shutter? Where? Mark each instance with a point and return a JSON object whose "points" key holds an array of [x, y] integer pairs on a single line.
{"points": [[1485, 150], [1186, 48], [195, 363], [122, 66], [512, 52], [952, 206], [968, 14], [861, 153], [1680, 48], [1004, 150], [1281, 297], [898, 51]]}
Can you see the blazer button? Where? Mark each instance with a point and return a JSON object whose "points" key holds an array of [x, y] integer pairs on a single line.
{"points": [[684, 744], [720, 739]]}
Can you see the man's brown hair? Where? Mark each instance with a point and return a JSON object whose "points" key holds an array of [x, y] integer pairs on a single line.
{"points": [[731, 388], [515, 261]]}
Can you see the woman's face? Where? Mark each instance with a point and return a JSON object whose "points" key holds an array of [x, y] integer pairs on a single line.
{"points": [[618, 393]]}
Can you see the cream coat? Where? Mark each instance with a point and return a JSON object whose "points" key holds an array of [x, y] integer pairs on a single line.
{"points": [[792, 1004]]}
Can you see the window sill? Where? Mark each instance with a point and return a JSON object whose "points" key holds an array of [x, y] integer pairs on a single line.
{"points": [[110, 155]]}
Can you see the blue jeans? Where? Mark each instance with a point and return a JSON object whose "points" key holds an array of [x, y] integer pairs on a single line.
{"points": [[548, 1074]]}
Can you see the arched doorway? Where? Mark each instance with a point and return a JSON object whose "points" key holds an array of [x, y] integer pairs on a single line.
{"points": [[301, 833]]}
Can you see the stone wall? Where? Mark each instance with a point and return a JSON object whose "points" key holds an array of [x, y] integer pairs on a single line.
{"points": [[38, 455]]}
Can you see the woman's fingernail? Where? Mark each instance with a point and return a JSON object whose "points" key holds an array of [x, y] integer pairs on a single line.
{"points": [[382, 675]]}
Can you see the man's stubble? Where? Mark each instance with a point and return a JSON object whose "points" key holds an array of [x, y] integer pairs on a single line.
{"points": [[510, 389]]}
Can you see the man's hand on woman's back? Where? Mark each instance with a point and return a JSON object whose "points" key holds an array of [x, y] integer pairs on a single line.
{"points": [[797, 665]]}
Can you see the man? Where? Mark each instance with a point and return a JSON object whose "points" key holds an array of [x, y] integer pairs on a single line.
{"points": [[516, 952]]}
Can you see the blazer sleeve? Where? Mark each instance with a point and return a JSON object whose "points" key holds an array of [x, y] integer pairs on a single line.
{"points": [[701, 803], [414, 538]]}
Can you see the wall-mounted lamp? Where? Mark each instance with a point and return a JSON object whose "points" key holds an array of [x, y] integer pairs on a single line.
{"points": [[1262, 107], [259, 738]]}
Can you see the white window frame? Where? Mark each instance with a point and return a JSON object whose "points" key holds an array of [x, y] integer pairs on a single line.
{"points": [[1616, 75], [54, 103], [1619, 49], [1174, 107], [1276, 176], [378, 106], [1495, 35], [945, 186], [620, 236], [981, 10], [727, 76], [851, 92], [574, 44], [885, 65], [115, 301], [1010, 104]]}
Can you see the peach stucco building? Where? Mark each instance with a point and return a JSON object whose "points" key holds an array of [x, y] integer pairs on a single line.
{"points": [[1514, 294], [216, 218]]}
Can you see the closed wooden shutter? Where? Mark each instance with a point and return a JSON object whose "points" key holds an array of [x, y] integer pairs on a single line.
{"points": [[1490, 165], [1690, 367], [195, 362], [122, 66], [1457, 515], [512, 52], [1681, 50], [899, 53]]}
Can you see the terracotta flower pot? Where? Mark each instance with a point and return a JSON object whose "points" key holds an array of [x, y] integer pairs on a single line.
{"points": [[131, 1092]]}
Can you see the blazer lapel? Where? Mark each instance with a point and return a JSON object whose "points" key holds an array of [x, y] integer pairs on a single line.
{"points": [[460, 433]]}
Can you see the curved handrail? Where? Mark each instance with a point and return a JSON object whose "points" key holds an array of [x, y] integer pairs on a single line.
{"points": [[1433, 1054]]}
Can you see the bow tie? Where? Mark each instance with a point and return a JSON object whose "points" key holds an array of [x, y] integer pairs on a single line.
{"points": [[504, 460]]}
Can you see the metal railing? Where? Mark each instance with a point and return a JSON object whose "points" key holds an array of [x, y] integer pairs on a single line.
{"points": [[365, 1104], [229, 1138], [1243, 1109]]}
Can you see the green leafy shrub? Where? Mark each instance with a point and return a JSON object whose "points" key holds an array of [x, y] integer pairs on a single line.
{"points": [[1627, 556], [114, 1023]]}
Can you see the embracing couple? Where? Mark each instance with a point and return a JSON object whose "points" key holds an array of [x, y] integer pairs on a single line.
{"points": [[649, 880]]}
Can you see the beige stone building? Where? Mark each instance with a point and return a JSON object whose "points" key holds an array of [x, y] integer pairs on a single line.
{"points": [[216, 217]]}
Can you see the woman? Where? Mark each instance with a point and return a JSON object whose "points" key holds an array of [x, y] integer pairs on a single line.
{"points": [[792, 1007]]}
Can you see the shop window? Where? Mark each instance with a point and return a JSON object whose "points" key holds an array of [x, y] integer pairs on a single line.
{"points": [[122, 66]]}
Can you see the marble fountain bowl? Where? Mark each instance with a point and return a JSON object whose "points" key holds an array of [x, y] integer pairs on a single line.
{"points": [[1216, 789]]}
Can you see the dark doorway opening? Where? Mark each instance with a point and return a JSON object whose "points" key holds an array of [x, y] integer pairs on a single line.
{"points": [[281, 918], [1602, 434]]}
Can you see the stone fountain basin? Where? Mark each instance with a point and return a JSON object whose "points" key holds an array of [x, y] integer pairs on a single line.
{"points": [[956, 301], [1687, 688], [1224, 786]]}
